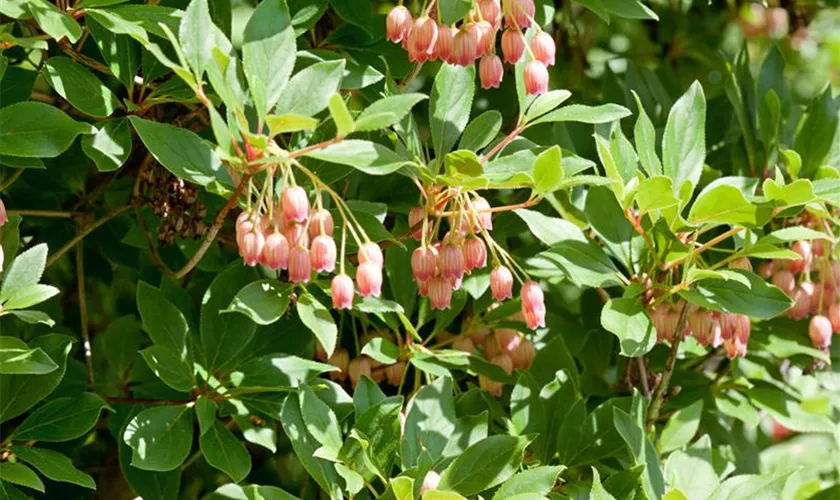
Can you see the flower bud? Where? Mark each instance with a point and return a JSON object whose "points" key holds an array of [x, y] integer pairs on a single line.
{"points": [[369, 279], [371, 253], [423, 287], [296, 234], [743, 263], [700, 323], [3, 216], [341, 289], [834, 317], [422, 38], [778, 431], [341, 360], [803, 296], [295, 204], [464, 48], [501, 283], [244, 225], [415, 218], [490, 71], [765, 269], [533, 306], [485, 37], [393, 373], [523, 355], [819, 247], [440, 293], [492, 387], [741, 328], [507, 339], [276, 251], [785, 281], [536, 78], [820, 332], [464, 344], [475, 254], [321, 219], [519, 13], [358, 367], [300, 265], [513, 45], [424, 261], [803, 263], [451, 262], [323, 254], [398, 24], [543, 48], [252, 246], [503, 361], [491, 11], [734, 348], [660, 318], [445, 44], [430, 482]]}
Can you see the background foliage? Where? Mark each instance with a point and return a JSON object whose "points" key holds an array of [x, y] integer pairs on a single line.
{"points": [[136, 360]]}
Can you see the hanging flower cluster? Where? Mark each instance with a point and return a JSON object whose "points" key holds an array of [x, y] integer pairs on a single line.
{"points": [[709, 328], [289, 234], [475, 40], [439, 265], [813, 282]]}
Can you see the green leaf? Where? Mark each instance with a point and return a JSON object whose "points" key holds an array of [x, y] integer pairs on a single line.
{"points": [[684, 142], [598, 492], [597, 7], [110, 146], [387, 111], [341, 116], [547, 172], [481, 130], [430, 422], [640, 447], [452, 11], [791, 234], [724, 204], [369, 157], [483, 465], [164, 322], [320, 420], [182, 152], [25, 271], [681, 427], [747, 486], [54, 466], [37, 130], [382, 350], [318, 319], [264, 301], [758, 300], [120, 52], [205, 412], [117, 24], [604, 113], [21, 392], [608, 220], [54, 22], [304, 445], [29, 296], [546, 102], [21, 360], [815, 136], [537, 480], [268, 53], [463, 163], [224, 336], [792, 162], [357, 12], [550, 230], [160, 437], [645, 137], [310, 90], [284, 124], [77, 84], [17, 473], [62, 419], [626, 319], [449, 106], [277, 372], [584, 264], [223, 451], [169, 367], [196, 35], [656, 193]]}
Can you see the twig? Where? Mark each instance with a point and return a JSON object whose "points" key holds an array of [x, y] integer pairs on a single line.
{"points": [[145, 401], [83, 312], [643, 376], [712, 242], [42, 213], [659, 392], [504, 142], [305, 151], [11, 179], [86, 231]]}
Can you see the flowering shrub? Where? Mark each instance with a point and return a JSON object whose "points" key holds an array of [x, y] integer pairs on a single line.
{"points": [[317, 249]]}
